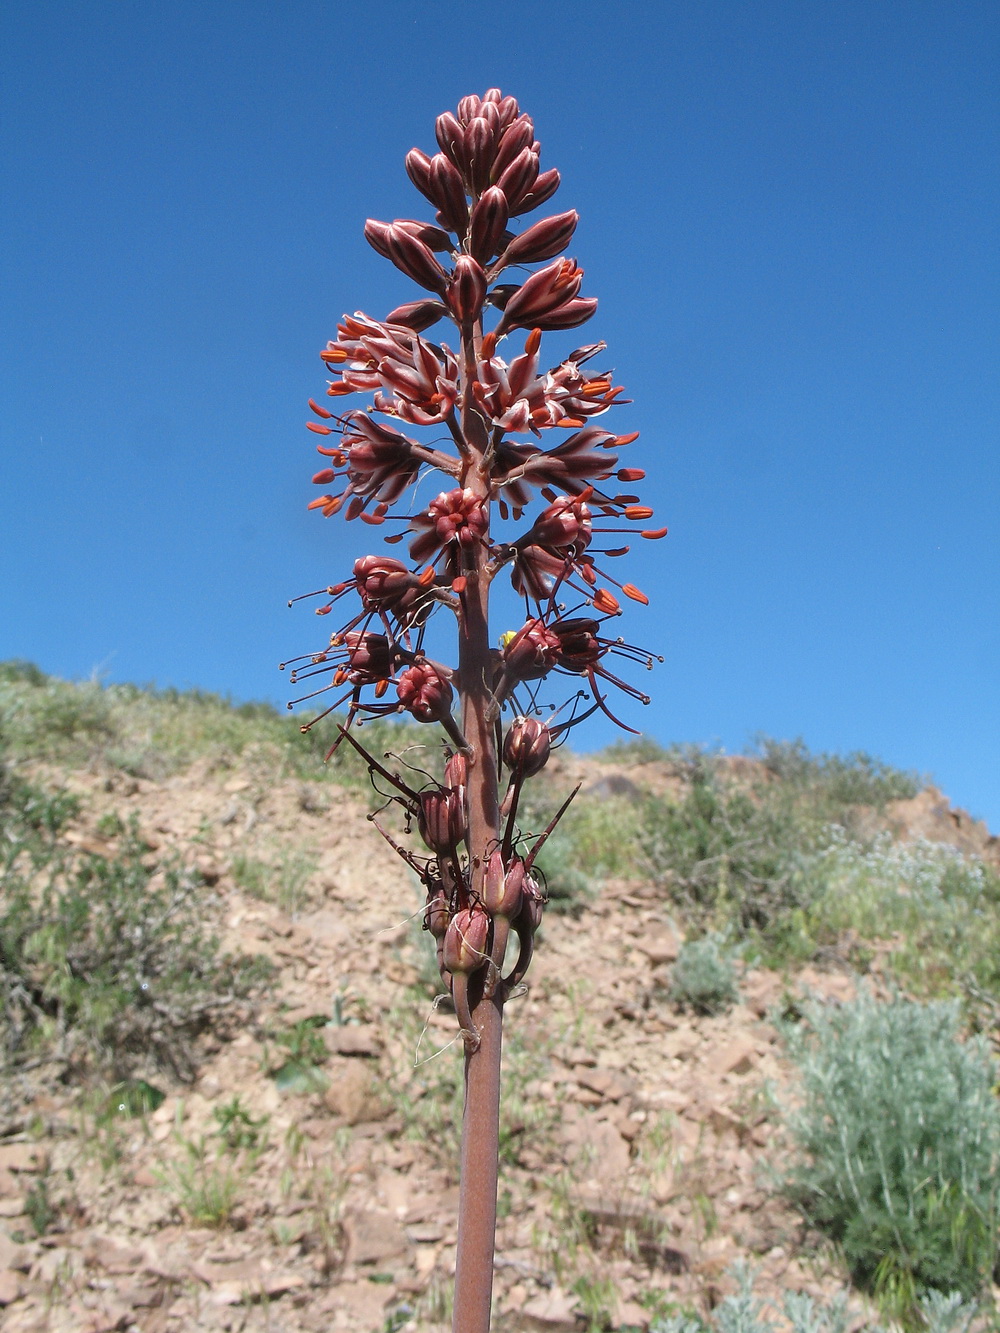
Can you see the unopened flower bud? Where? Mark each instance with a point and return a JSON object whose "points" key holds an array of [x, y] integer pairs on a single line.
{"points": [[515, 139], [467, 290], [451, 139], [442, 819], [517, 179], [377, 236], [543, 240], [433, 237], [541, 192], [418, 168], [465, 940], [414, 259], [487, 224], [527, 746], [417, 315], [449, 193], [479, 151]]}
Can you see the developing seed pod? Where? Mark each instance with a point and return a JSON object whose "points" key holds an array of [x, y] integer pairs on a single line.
{"points": [[527, 746], [456, 770], [442, 820], [437, 913], [465, 941]]}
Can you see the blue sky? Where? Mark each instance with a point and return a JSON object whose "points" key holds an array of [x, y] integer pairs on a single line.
{"points": [[788, 213]]}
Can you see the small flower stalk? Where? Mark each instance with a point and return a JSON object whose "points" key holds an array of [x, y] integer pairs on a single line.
{"points": [[531, 491]]}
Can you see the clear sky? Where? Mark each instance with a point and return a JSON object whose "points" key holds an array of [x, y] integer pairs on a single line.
{"points": [[789, 213]]}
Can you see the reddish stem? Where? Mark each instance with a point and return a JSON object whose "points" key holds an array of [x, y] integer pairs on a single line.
{"points": [[477, 1208]]}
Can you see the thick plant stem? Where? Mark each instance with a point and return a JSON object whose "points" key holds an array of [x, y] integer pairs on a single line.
{"points": [[477, 1208]]}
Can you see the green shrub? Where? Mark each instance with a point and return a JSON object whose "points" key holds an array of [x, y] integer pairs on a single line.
{"points": [[942, 907], [732, 849], [151, 733], [744, 1312], [593, 840], [99, 960], [898, 1135], [704, 976]]}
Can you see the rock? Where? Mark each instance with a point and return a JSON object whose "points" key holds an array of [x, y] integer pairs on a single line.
{"points": [[682, 1044], [660, 949], [373, 1237], [112, 1255], [11, 1286], [553, 1311], [425, 1233], [30, 1157], [362, 1041], [631, 1314], [355, 1094], [739, 1057], [12, 1255], [609, 1086]]}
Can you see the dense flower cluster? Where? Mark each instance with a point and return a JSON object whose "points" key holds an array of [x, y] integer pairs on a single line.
{"points": [[471, 263]]}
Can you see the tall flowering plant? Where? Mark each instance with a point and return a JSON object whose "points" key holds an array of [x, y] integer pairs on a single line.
{"points": [[513, 507]]}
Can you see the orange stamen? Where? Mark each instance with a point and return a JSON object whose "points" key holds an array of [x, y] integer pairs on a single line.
{"points": [[630, 590]]}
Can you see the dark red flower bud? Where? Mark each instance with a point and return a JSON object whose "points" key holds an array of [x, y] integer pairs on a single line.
{"points": [[480, 150], [503, 887], [487, 224], [568, 316], [542, 190], [424, 693], [418, 168], [517, 180], [542, 240], [527, 746], [417, 315], [449, 194], [507, 108], [515, 139], [414, 259], [442, 819], [433, 237], [467, 290], [451, 138], [468, 107], [465, 940], [377, 236]]}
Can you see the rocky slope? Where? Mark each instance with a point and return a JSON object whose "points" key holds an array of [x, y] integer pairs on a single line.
{"points": [[637, 1137]]}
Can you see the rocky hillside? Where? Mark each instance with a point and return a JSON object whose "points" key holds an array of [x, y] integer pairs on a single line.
{"points": [[273, 1144]]}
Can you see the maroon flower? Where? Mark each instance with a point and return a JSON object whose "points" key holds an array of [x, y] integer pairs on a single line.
{"points": [[455, 519]]}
